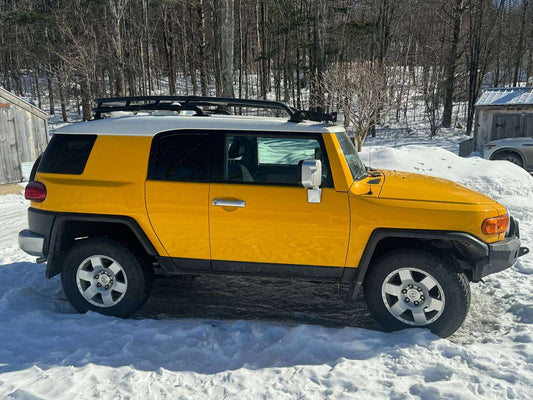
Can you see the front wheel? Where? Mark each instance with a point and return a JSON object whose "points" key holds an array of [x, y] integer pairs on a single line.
{"points": [[417, 289], [105, 276]]}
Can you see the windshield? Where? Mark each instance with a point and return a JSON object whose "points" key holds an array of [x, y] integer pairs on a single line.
{"points": [[357, 167]]}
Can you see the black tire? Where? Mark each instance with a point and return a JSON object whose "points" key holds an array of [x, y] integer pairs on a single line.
{"points": [[139, 277], [509, 156], [444, 270]]}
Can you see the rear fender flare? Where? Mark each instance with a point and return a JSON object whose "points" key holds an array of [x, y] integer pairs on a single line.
{"points": [[54, 262]]}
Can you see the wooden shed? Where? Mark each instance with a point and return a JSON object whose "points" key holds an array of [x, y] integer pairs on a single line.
{"points": [[23, 136], [503, 113]]}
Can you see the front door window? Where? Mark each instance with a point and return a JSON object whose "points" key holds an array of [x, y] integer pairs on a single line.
{"points": [[270, 159]]}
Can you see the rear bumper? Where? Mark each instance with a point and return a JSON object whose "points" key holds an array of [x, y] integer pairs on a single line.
{"points": [[35, 240], [31, 243], [502, 255]]}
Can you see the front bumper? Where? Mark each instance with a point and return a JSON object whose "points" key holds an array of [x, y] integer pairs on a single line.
{"points": [[501, 255], [31, 243]]}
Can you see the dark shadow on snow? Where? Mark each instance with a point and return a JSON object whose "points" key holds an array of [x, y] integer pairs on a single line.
{"points": [[233, 297]]}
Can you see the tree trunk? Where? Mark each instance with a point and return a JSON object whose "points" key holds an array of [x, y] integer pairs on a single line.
{"points": [[359, 142], [217, 46], [186, 59], [50, 89], [449, 69], [62, 97], [202, 49], [169, 55], [476, 23], [529, 67], [265, 76], [116, 13], [518, 58], [240, 29], [85, 98], [37, 87], [496, 79], [227, 42], [383, 28], [317, 57]]}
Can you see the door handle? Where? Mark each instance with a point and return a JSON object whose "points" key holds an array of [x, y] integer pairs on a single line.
{"points": [[229, 203]]}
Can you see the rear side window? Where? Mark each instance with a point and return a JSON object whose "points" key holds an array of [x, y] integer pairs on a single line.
{"points": [[67, 154], [180, 157]]}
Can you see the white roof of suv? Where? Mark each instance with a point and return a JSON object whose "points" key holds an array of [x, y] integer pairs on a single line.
{"points": [[150, 125]]}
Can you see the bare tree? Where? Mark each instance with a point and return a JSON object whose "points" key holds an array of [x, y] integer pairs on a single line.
{"points": [[451, 62], [519, 48], [117, 8], [364, 91], [227, 43], [432, 100], [202, 48]]}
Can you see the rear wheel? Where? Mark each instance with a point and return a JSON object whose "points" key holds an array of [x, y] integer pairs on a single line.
{"points": [[509, 156], [417, 289], [105, 276]]}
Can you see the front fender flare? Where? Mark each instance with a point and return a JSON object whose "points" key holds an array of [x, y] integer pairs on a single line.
{"points": [[478, 250]]}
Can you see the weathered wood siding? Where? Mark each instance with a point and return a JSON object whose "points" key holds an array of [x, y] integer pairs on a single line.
{"points": [[498, 122], [23, 136]]}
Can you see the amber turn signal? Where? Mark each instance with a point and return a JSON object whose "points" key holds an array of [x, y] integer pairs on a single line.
{"points": [[492, 226]]}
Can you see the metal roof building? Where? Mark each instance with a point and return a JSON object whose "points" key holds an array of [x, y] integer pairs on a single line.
{"points": [[503, 113], [505, 97], [23, 135]]}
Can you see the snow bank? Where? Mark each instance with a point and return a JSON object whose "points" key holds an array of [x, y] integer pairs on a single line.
{"points": [[48, 351], [500, 179], [505, 182]]}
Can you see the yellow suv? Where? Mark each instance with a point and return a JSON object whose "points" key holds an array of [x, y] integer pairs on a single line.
{"points": [[178, 185]]}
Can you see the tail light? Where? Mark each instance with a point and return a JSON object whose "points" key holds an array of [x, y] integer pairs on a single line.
{"points": [[492, 226], [35, 191]]}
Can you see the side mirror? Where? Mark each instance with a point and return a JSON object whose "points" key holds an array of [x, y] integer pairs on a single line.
{"points": [[311, 174], [311, 178]]}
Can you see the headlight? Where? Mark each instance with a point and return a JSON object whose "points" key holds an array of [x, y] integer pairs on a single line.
{"points": [[492, 226]]}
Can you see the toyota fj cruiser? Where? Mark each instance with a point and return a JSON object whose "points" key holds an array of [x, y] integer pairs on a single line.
{"points": [[183, 187]]}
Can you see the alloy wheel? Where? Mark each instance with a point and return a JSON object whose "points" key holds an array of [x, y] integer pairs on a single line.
{"points": [[413, 296], [101, 280]]}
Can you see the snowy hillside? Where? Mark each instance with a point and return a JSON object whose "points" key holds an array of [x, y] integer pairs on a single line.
{"points": [[275, 340]]}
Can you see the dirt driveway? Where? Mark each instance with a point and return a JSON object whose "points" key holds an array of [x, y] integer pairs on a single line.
{"points": [[11, 188]]}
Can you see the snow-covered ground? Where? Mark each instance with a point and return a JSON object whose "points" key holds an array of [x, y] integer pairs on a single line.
{"points": [[236, 338]]}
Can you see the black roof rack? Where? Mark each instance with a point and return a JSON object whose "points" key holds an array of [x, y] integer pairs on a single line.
{"points": [[193, 103]]}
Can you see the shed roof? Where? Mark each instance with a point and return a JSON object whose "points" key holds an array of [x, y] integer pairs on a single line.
{"points": [[4, 94], [506, 97]]}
